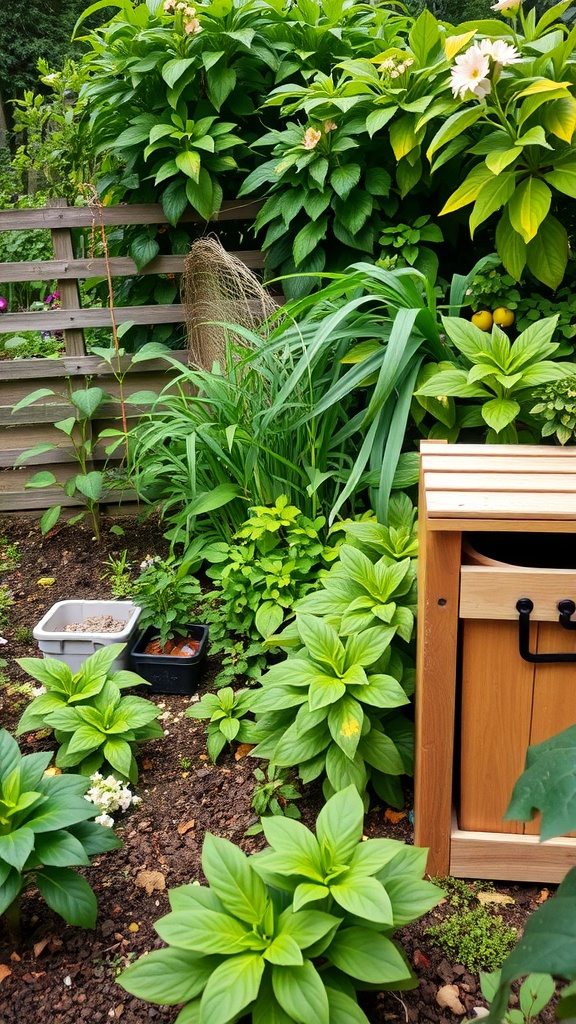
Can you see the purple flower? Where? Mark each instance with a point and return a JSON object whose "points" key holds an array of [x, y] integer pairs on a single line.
{"points": [[3, 304], [53, 297]]}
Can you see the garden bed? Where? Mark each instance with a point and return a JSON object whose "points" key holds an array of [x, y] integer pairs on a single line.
{"points": [[66, 975]]}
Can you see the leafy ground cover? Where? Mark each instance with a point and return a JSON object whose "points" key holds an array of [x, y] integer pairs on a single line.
{"points": [[66, 975]]}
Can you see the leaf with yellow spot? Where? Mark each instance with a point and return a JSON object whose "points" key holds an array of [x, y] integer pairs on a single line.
{"points": [[345, 720]]}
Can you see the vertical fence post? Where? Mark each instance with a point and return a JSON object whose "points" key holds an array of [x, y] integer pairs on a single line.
{"points": [[69, 293]]}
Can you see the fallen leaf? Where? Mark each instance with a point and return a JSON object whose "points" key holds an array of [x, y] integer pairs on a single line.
{"points": [[543, 895], [203, 757], [14, 956], [394, 816], [39, 947], [53, 771], [186, 826], [4, 972], [133, 927], [481, 1011], [419, 960], [46, 581], [494, 897], [448, 997], [147, 764], [150, 880], [242, 750]]}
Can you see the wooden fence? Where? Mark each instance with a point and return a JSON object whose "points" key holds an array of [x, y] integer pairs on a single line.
{"points": [[19, 377]]}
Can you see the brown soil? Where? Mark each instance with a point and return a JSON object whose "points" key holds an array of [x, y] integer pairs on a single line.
{"points": [[66, 975]]}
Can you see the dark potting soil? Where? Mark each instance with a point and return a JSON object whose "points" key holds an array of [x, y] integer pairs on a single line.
{"points": [[64, 975]]}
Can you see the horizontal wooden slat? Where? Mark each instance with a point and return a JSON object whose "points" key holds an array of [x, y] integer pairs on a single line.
{"points": [[490, 450], [138, 213], [487, 592], [120, 266], [505, 482], [460, 524], [500, 505], [552, 460], [60, 319], [79, 366], [510, 858]]}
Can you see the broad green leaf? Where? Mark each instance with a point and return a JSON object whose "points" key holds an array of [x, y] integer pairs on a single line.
{"points": [[367, 956], [308, 238], [493, 195], [10, 887], [411, 898], [91, 485], [344, 178], [189, 163], [308, 892], [511, 247], [344, 1009], [143, 249], [321, 641], [548, 784], [345, 721], [364, 897], [234, 881], [231, 987], [547, 254], [119, 754], [168, 976], [424, 38], [68, 895], [204, 931], [59, 849], [301, 993], [16, 847], [560, 118], [307, 926], [291, 839], [452, 127], [469, 190], [379, 751], [269, 617], [529, 206], [284, 951], [403, 137], [499, 412], [563, 179], [339, 824]]}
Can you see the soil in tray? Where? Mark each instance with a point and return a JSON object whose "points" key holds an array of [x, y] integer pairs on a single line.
{"points": [[183, 648]]}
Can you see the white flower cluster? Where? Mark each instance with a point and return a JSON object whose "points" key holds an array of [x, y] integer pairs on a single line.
{"points": [[110, 794], [148, 561], [396, 67], [471, 70]]}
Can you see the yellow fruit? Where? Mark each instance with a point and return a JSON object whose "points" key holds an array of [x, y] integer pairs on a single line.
{"points": [[482, 319], [503, 316]]}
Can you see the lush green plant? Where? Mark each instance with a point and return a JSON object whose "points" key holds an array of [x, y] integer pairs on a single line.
{"points": [[534, 306], [31, 344], [290, 934], [474, 938], [274, 793], [517, 99], [166, 592], [93, 723], [491, 287], [500, 373], [117, 573], [273, 560], [226, 710], [398, 539], [88, 484], [555, 409], [45, 831], [402, 245], [536, 991], [330, 709]]}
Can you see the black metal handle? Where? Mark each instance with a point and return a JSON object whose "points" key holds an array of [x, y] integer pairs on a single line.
{"points": [[524, 607]]}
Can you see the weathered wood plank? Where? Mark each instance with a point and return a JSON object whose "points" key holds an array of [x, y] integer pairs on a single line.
{"points": [[120, 266], [61, 319], [69, 294], [79, 366], [138, 213]]}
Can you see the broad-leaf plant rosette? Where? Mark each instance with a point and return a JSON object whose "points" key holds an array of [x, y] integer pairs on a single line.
{"points": [[520, 107], [46, 831], [288, 935]]}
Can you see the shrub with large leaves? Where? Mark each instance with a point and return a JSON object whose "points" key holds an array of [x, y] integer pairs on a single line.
{"points": [[45, 831], [289, 935], [93, 723], [332, 708]]}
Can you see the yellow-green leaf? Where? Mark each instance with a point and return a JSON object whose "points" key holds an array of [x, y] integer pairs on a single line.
{"points": [[403, 138], [529, 206], [494, 194], [454, 126], [469, 190], [563, 179], [510, 247], [560, 118], [189, 163], [542, 85], [499, 159], [454, 44]]}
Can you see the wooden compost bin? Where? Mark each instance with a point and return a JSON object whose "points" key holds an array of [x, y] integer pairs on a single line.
{"points": [[479, 702]]}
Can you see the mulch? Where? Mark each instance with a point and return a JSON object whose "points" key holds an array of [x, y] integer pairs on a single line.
{"points": [[65, 975]]}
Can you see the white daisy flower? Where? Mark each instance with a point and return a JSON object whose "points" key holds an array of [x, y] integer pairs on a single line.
{"points": [[469, 70]]}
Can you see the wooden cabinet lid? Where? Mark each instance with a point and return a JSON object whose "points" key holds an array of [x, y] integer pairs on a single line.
{"points": [[487, 487]]}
